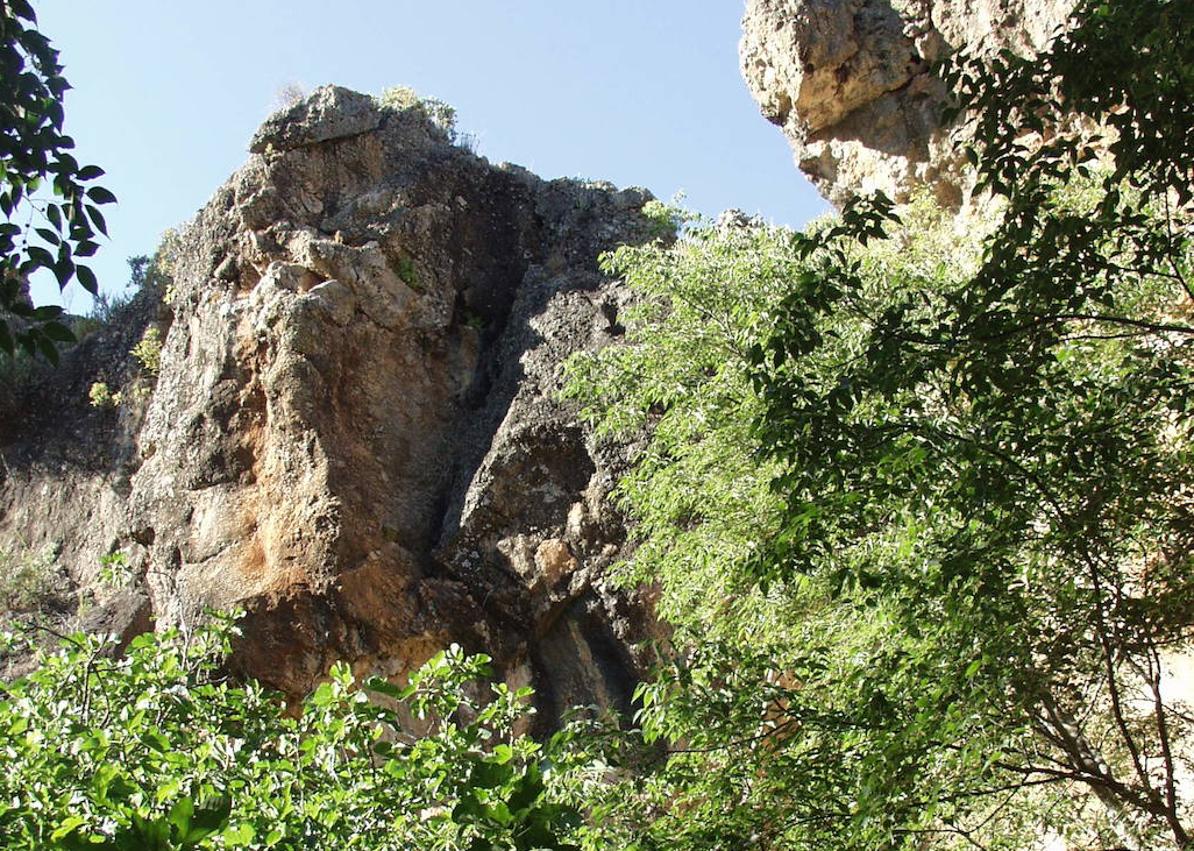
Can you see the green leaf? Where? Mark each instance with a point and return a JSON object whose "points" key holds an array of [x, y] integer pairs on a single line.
{"points": [[211, 817], [41, 256], [48, 349], [490, 775], [180, 815], [468, 809], [153, 834], [383, 686], [502, 754], [87, 279], [238, 836], [100, 195], [22, 9], [68, 826], [527, 790], [64, 267], [97, 219], [59, 333]]}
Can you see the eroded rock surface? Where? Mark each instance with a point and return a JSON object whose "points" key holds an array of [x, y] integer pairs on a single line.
{"points": [[356, 434], [850, 82]]}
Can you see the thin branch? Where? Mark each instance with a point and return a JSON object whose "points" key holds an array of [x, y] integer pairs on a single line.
{"points": [[1177, 271], [1154, 682], [1113, 684], [1156, 327], [737, 742]]}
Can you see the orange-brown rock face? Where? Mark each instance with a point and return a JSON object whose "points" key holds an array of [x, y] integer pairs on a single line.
{"points": [[356, 435]]}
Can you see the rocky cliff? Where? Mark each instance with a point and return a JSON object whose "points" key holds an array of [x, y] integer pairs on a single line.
{"points": [[851, 82], [355, 433]]}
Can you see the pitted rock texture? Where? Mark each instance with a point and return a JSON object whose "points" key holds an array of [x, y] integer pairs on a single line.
{"points": [[851, 82], [356, 434]]}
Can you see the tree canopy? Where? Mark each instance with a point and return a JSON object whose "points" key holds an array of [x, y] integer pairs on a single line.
{"points": [[917, 494]]}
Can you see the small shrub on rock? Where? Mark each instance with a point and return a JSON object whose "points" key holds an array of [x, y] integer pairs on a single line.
{"points": [[442, 114]]}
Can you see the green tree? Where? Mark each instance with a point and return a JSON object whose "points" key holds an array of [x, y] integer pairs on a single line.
{"points": [[51, 215], [931, 553]]}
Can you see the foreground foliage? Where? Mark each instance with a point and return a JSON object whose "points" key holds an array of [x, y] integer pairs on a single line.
{"points": [[49, 201], [155, 749]]}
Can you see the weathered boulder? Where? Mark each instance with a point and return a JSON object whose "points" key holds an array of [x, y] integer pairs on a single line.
{"points": [[355, 434], [851, 82]]}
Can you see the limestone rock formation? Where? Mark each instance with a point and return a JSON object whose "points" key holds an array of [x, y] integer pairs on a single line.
{"points": [[355, 434], [851, 82]]}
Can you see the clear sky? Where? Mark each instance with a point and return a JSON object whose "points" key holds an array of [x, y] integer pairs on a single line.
{"points": [[639, 92]]}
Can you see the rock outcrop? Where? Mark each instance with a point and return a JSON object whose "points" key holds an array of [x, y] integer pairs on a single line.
{"points": [[851, 82], [356, 434]]}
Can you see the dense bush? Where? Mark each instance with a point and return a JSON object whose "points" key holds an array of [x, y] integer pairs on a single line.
{"points": [[156, 749], [29, 581]]}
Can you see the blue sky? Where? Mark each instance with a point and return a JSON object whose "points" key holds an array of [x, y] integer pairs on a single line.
{"points": [[639, 92]]}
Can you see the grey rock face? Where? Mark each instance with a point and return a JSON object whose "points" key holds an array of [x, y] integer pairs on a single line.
{"points": [[331, 112], [355, 435], [850, 82]]}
